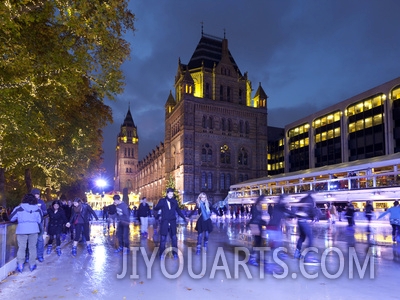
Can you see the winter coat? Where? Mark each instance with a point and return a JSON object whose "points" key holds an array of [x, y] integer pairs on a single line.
{"points": [[84, 216], [394, 214], [168, 215], [57, 220], [123, 213], [143, 210], [29, 218]]}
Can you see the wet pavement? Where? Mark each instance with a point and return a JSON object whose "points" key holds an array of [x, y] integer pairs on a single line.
{"points": [[361, 262]]}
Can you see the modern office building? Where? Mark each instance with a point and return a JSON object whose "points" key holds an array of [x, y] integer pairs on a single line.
{"points": [[364, 126]]}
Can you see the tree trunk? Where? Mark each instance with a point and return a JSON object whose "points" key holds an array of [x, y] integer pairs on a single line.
{"points": [[28, 180], [3, 201]]}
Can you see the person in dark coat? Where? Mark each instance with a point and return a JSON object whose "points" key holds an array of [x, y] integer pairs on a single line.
{"points": [[143, 215], [169, 208], [305, 212], [256, 223], [123, 215], [204, 225], [81, 216], [57, 220]]}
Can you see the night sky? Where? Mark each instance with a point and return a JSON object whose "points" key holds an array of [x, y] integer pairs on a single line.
{"points": [[307, 55]]}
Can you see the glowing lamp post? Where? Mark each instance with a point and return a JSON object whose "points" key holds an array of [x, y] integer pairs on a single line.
{"points": [[101, 183]]}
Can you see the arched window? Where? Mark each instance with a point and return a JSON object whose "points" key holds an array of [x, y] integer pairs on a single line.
{"points": [[228, 181], [223, 124], [209, 181], [222, 181], [247, 127], [242, 157], [210, 123], [206, 153], [230, 125], [203, 155], [203, 181], [225, 154], [204, 122], [241, 127]]}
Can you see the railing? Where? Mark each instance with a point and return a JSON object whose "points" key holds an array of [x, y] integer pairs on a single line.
{"points": [[8, 242]]}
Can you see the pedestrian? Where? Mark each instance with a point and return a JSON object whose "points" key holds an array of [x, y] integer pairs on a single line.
{"points": [[270, 211], [40, 240], [80, 218], [123, 218], [169, 208], [67, 208], [57, 220], [112, 215], [304, 213], [204, 225], [327, 213], [350, 214], [369, 211], [143, 215], [105, 213], [29, 217], [255, 224], [333, 212], [394, 220]]}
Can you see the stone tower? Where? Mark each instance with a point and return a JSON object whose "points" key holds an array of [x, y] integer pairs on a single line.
{"points": [[127, 156]]}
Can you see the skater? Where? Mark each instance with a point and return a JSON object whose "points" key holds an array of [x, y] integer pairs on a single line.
{"points": [[123, 217], [57, 220], [81, 215], [304, 213], [256, 223], [143, 215], [169, 208], [394, 219], [204, 225], [29, 217]]}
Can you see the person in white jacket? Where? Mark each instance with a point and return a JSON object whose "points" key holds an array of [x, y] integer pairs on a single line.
{"points": [[29, 217]]}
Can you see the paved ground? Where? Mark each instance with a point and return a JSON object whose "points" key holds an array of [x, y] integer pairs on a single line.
{"points": [[369, 270]]}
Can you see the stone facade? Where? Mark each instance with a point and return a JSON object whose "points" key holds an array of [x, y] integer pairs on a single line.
{"points": [[215, 132]]}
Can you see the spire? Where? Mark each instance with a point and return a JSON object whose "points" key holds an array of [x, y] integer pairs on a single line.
{"points": [[260, 93], [170, 101], [128, 122]]}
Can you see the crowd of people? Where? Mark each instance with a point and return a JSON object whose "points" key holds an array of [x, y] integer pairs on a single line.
{"points": [[66, 218]]}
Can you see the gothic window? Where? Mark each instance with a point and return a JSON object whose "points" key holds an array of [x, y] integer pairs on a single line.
{"points": [[241, 127], [204, 122], [221, 93], [227, 181], [209, 181], [240, 177], [203, 155], [247, 127], [210, 122], [223, 124], [207, 90], [240, 96], [230, 125], [225, 154], [203, 181], [206, 153], [222, 181], [242, 157], [228, 94]]}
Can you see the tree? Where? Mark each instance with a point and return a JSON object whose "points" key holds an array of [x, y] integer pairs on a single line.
{"points": [[59, 60], [170, 183]]}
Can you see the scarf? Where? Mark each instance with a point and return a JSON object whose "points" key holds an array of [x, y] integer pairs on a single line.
{"points": [[204, 211]]}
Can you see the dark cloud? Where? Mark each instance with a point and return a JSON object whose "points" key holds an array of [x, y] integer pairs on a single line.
{"points": [[306, 54]]}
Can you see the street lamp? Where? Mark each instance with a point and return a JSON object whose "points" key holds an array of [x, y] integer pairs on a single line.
{"points": [[101, 183]]}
